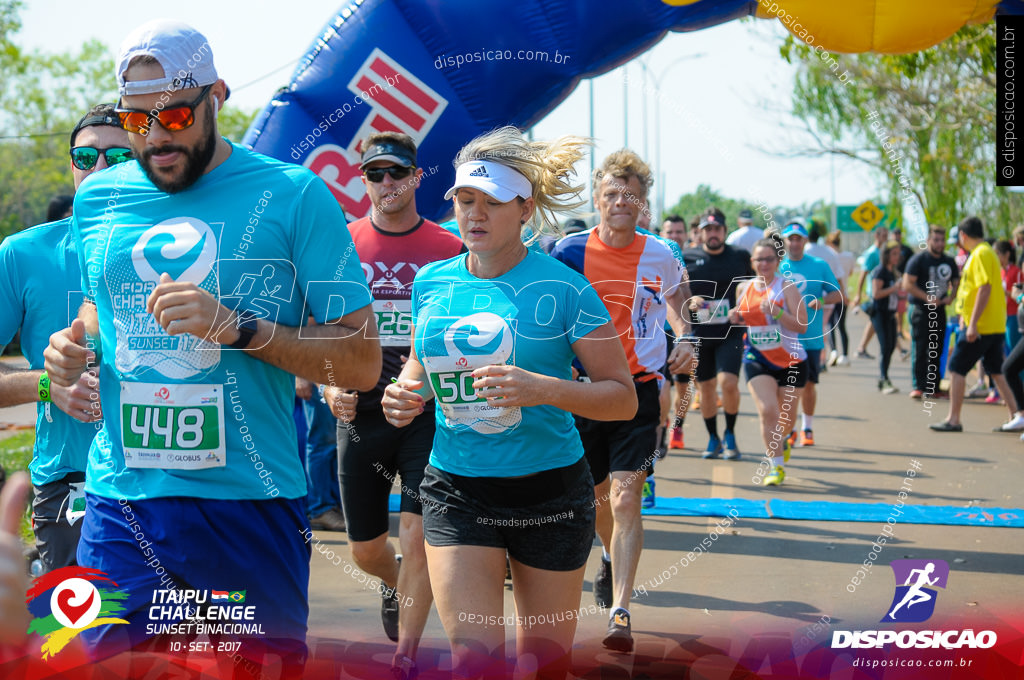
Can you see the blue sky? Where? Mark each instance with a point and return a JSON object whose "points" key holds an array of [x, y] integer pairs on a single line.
{"points": [[718, 112]]}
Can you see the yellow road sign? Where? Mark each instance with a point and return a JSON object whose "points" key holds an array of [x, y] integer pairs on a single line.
{"points": [[867, 215]]}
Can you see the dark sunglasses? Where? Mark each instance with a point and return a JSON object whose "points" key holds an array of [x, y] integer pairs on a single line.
{"points": [[85, 157], [172, 118], [376, 175]]}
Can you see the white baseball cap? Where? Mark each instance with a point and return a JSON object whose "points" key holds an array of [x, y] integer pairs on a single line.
{"points": [[494, 179], [183, 52]]}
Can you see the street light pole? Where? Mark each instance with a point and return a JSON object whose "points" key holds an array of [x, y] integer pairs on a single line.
{"points": [[657, 125]]}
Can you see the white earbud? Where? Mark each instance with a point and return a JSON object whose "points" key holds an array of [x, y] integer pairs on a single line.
{"points": [[216, 105]]}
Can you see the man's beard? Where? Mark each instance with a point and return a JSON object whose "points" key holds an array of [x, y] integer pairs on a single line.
{"points": [[196, 160]]}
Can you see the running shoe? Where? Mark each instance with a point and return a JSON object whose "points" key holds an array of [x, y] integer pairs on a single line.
{"points": [[807, 438], [731, 452], [977, 391], [775, 476], [603, 584], [676, 439], [833, 357], [714, 449], [863, 354], [889, 388], [389, 612], [791, 439], [993, 398], [916, 394], [620, 633], [787, 450], [1015, 424], [404, 668], [647, 494], [332, 520], [843, 361]]}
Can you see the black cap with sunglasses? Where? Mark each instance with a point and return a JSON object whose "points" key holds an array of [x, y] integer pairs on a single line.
{"points": [[85, 157], [389, 151]]}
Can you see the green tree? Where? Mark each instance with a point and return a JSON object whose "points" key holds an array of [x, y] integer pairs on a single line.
{"points": [[690, 205], [42, 96], [232, 122], [924, 121]]}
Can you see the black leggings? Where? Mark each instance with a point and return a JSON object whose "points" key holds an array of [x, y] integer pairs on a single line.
{"points": [[885, 328], [1012, 366], [837, 322]]}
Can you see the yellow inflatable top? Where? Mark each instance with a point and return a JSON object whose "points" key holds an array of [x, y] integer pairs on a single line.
{"points": [[884, 26]]}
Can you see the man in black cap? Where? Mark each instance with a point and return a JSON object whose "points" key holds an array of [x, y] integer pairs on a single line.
{"points": [[40, 289], [715, 270]]}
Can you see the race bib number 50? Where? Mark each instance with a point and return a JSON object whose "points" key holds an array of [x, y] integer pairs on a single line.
{"points": [[174, 427], [452, 381]]}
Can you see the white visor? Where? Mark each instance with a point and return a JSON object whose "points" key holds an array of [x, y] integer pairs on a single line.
{"points": [[494, 179]]}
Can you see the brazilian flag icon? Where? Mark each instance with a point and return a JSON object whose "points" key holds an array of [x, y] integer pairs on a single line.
{"points": [[237, 596]]}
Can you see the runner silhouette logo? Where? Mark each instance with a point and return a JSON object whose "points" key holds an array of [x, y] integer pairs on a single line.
{"points": [[914, 600]]}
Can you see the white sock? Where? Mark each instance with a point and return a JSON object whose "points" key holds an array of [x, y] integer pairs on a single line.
{"points": [[605, 556], [808, 422], [777, 462]]}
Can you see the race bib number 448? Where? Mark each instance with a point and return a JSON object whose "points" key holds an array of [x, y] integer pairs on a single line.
{"points": [[174, 427]]}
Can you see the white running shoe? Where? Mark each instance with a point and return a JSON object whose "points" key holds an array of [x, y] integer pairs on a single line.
{"points": [[1015, 424], [833, 358]]}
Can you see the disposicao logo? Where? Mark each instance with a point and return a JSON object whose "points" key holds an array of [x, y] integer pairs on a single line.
{"points": [[67, 601], [914, 602]]}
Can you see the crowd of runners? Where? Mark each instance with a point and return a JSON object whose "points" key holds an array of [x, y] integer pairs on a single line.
{"points": [[518, 395]]}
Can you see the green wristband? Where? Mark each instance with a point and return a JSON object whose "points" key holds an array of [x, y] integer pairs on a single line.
{"points": [[44, 387], [779, 315]]}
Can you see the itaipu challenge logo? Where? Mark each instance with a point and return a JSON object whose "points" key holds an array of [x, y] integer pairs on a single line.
{"points": [[69, 600]]}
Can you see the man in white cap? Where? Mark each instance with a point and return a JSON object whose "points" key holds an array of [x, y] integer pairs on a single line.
{"points": [[201, 263]]}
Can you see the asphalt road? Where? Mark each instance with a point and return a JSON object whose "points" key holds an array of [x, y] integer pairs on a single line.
{"points": [[768, 591]]}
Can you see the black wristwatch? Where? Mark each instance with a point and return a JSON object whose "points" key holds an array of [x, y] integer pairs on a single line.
{"points": [[246, 326]]}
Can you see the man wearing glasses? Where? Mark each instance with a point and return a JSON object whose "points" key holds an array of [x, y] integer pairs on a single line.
{"points": [[202, 263], [40, 291], [393, 242]]}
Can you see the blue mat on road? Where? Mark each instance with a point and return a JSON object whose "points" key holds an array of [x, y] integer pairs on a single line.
{"points": [[828, 511]]}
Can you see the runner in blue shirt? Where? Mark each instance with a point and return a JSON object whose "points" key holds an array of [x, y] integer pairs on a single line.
{"points": [[818, 287], [495, 334], [40, 291], [204, 261]]}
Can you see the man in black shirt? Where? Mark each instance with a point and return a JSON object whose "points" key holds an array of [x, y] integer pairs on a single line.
{"points": [[715, 269], [931, 279]]}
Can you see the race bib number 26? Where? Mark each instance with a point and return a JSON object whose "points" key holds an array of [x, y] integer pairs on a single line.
{"points": [[174, 427]]}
